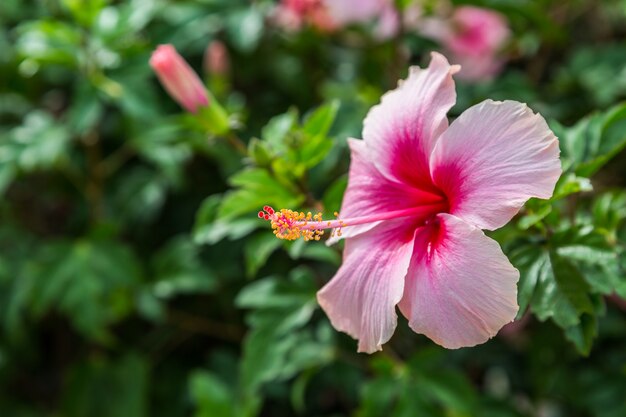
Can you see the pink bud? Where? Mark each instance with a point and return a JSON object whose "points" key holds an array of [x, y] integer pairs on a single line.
{"points": [[178, 79], [216, 59]]}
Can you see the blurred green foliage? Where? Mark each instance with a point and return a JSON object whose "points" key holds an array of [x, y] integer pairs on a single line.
{"points": [[136, 280]]}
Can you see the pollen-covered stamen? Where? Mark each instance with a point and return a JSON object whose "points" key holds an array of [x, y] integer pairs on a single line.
{"points": [[292, 225]]}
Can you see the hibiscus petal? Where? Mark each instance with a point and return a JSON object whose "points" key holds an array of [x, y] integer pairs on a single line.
{"points": [[361, 298], [492, 159], [369, 192], [401, 131], [460, 288]]}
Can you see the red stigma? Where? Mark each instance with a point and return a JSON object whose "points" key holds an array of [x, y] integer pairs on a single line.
{"points": [[267, 213]]}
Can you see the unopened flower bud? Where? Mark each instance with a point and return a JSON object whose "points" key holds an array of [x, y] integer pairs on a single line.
{"points": [[178, 78]]}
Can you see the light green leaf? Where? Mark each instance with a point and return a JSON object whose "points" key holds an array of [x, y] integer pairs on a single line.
{"points": [[50, 42], [178, 269], [258, 249], [39, 143], [210, 230], [276, 130], [84, 11], [211, 396], [245, 28], [321, 120], [256, 189]]}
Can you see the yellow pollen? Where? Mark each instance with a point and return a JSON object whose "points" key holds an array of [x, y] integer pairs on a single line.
{"points": [[290, 225]]}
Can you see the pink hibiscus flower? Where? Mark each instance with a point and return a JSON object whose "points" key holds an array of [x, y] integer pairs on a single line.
{"points": [[350, 11], [473, 37], [419, 193], [330, 15], [346, 12]]}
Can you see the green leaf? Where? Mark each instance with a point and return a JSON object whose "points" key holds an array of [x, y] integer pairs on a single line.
{"points": [[138, 196], [130, 88], [245, 28], [434, 387], [562, 294], [321, 120], [593, 141], [211, 396], [178, 269], [534, 215], [594, 256], [84, 11], [210, 230], [552, 286], [259, 152], [39, 143], [50, 42], [278, 344], [320, 252], [531, 261], [164, 145], [276, 130], [86, 109], [583, 334], [256, 189], [120, 26], [314, 149], [90, 281], [125, 380], [334, 194], [590, 67], [450, 389], [570, 184], [609, 212], [258, 249]]}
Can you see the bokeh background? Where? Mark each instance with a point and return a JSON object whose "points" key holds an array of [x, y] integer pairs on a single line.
{"points": [[136, 280]]}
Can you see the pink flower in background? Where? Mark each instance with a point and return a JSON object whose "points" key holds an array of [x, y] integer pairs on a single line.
{"points": [[388, 23], [178, 79], [216, 59], [477, 31], [345, 12], [419, 193], [329, 15], [473, 37], [294, 14]]}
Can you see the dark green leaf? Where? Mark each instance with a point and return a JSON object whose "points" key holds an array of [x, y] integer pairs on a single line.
{"points": [[278, 346], [258, 249], [178, 269], [211, 396]]}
